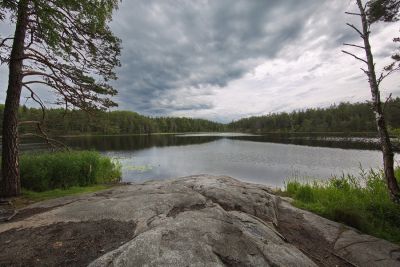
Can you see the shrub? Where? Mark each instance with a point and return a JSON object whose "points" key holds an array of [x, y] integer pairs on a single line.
{"points": [[360, 201], [46, 171]]}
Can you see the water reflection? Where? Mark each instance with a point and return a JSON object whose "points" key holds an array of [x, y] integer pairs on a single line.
{"points": [[317, 141], [267, 159], [138, 142]]}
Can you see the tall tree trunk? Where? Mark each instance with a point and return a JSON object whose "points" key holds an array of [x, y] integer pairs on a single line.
{"points": [[386, 145], [10, 182]]}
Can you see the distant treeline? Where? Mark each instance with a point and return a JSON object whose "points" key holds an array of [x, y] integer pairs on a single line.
{"points": [[344, 117], [59, 122]]}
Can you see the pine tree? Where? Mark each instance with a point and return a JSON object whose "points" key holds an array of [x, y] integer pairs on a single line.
{"points": [[63, 45]]}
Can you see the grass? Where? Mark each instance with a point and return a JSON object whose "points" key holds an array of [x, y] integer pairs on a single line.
{"points": [[360, 201], [29, 197], [44, 171], [46, 175], [39, 196]]}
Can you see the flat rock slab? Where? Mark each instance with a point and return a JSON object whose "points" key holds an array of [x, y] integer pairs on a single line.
{"points": [[191, 221]]}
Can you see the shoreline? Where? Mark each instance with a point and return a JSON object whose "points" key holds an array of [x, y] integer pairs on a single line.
{"points": [[209, 220], [347, 134]]}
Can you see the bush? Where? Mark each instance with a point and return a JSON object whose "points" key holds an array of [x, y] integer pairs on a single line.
{"points": [[46, 171], [360, 201]]}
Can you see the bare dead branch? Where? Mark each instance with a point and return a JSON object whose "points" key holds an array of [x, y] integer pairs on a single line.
{"points": [[384, 76], [32, 39], [365, 71], [387, 100], [356, 57], [354, 45], [5, 40], [353, 14], [356, 29], [37, 99], [365, 6], [53, 143], [380, 79]]}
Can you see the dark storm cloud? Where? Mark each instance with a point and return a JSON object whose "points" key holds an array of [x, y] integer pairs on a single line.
{"points": [[227, 59], [173, 44]]}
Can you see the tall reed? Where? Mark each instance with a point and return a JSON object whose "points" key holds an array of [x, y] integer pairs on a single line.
{"points": [[45, 171], [359, 201]]}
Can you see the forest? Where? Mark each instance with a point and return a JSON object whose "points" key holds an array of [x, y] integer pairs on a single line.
{"points": [[344, 117], [78, 122]]}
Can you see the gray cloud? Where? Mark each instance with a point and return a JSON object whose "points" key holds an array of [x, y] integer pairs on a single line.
{"points": [[170, 45], [224, 59]]}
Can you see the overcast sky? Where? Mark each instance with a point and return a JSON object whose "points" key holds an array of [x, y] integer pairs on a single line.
{"points": [[228, 59]]}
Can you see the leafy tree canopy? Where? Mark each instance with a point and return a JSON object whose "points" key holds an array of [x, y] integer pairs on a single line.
{"points": [[69, 47], [387, 11], [383, 10]]}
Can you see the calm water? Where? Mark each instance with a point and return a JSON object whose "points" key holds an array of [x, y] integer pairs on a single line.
{"points": [[261, 159]]}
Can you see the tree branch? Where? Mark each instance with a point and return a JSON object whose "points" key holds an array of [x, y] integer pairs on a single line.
{"points": [[356, 57], [53, 143], [50, 141], [387, 100], [37, 99], [353, 45], [5, 40], [365, 71], [353, 14], [384, 76], [357, 30]]}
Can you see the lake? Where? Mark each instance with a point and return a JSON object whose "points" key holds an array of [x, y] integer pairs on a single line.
{"points": [[266, 159]]}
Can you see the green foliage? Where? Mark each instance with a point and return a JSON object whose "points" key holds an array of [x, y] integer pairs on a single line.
{"points": [[305, 193], [69, 48], [388, 11], [345, 117], [6, 6], [292, 187], [46, 171], [76, 122], [395, 132], [361, 202], [383, 10]]}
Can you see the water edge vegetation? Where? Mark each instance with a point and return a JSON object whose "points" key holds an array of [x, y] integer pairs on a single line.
{"points": [[359, 201], [43, 171]]}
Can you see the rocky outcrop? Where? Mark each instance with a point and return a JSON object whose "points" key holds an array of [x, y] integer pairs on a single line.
{"points": [[200, 221]]}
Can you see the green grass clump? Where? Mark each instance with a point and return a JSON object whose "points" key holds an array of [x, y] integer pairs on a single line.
{"points": [[62, 170], [361, 202]]}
